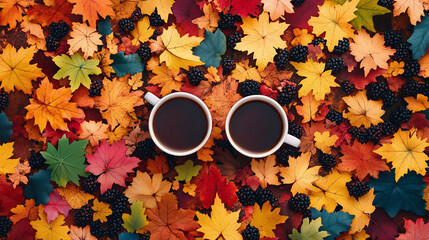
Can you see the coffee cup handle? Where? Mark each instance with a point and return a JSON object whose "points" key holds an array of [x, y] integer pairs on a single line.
{"points": [[292, 140], [151, 98]]}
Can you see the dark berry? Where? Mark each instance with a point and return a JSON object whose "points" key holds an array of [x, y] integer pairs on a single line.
{"points": [[238, 18], [376, 90], [97, 230], [195, 76], [401, 115], [375, 133], [155, 19], [287, 95], [409, 88], [263, 195], [144, 52], [4, 100], [342, 47], [388, 98], [388, 128], [411, 68], [249, 87], [246, 196], [335, 116], [347, 87], [281, 59], [385, 3], [357, 188], [228, 65], [299, 203], [226, 21], [144, 236], [232, 39], [109, 195], [119, 205], [36, 160], [115, 225], [361, 134], [59, 30], [306, 214], [298, 53], [95, 88], [136, 15], [403, 52], [146, 148], [327, 161], [5, 225], [83, 215], [296, 3], [392, 38], [250, 233], [52, 44], [334, 64], [286, 151], [295, 130], [90, 184], [155, 34], [318, 41], [423, 89], [126, 24]]}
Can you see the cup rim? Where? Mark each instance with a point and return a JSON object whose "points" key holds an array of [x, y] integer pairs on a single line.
{"points": [[274, 104], [177, 95]]}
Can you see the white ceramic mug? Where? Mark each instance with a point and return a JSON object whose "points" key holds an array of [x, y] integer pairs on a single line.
{"points": [[157, 103], [285, 137]]}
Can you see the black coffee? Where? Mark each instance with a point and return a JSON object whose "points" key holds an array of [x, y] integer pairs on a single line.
{"points": [[256, 127], [180, 124]]}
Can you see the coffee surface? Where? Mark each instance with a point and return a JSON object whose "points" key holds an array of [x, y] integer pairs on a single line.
{"points": [[180, 124], [256, 127]]}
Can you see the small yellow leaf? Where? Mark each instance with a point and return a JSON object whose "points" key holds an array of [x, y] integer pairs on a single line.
{"points": [[243, 71], [324, 141], [361, 209], [266, 171], [309, 107], [162, 6], [266, 220], [54, 230], [74, 196], [363, 111], [142, 32], [101, 211], [167, 79], [418, 104], [209, 20], [7, 165]]}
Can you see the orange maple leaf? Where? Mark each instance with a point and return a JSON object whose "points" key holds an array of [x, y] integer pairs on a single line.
{"points": [[94, 131], [12, 11], [90, 8]]}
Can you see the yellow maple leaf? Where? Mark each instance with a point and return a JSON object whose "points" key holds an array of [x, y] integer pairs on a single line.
{"points": [[414, 8], [363, 111], [142, 32], [209, 20], [266, 220], [266, 171], [162, 6], [299, 174], [262, 37], [7, 165], [117, 134], [418, 104], [277, 8], [190, 188], [85, 38], [426, 197], [316, 79], [243, 71], [74, 196], [406, 153], [220, 223], [178, 50], [167, 79], [211, 75], [16, 72], [329, 191], [302, 37], [371, 52], [361, 209], [135, 81], [334, 20], [324, 141], [101, 211], [309, 107], [54, 230]]}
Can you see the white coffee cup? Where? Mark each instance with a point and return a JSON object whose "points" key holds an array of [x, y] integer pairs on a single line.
{"points": [[285, 137], [157, 103]]}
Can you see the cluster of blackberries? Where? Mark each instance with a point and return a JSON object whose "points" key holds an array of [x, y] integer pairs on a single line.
{"points": [[233, 38], [144, 52], [334, 116], [281, 59], [327, 161], [4, 100], [374, 132], [357, 188], [195, 76], [90, 184], [5, 226], [298, 53], [248, 87], [385, 3], [127, 24], [228, 65], [95, 88], [334, 64], [342, 47], [250, 233], [58, 31], [36, 160], [380, 91], [248, 197], [286, 151], [146, 148], [299, 203], [287, 95], [226, 21], [295, 129], [359, 133], [347, 87]]}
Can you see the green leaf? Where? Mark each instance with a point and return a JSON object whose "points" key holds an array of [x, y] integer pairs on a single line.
{"points": [[211, 48], [187, 171], [334, 223], [137, 219], [67, 163], [366, 10], [124, 64], [309, 231], [77, 69], [420, 38]]}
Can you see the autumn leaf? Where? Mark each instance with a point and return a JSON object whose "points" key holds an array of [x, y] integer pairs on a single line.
{"points": [[220, 222], [147, 190], [405, 152], [16, 72], [93, 131], [157, 165], [362, 111], [277, 8], [324, 141], [78, 233], [12, 11], [414, 230], [74, 196], [266, 220], [187, 171], [262, 38], [169, 80], [56, 206], [334, 20], [272, 77], [309, 108], [361, 209], [53, 230], [7, 164], [142, 32], [316, 79], [414, 9], [418, 104], [371, 52], [243, 71], [26, 210], [84, 38], [266, 171], [162, 6], [209, 20], [101, 211], [137, 219], [90, 9], [309, 230], [299, 174], [60, 10]]}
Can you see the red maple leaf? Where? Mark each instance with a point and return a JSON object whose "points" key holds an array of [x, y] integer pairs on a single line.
{"points": [[53, 136], [111, 164], [303, 13], [358, 78], [246, 7], [415, 230], [213, 182], [21, 230], [9, 197], [44, 15]]}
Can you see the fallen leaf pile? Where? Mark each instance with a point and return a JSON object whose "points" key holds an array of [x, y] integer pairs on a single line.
{"points": [[77, 160]]}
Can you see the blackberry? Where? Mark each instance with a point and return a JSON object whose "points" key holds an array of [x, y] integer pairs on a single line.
{"points": [[334, 64], [296, 3], [385, 3], [263, 195], [97, 230], [299, 203], [342, 47], [401, 115], [95, 88], [109, 195], [5, 226], [115, 225], [295, 130], [249, 87], [298, 53], [246, 196], [195, 76], [357, 188], [52, 44], [90, 184], [36, 160], [143, 236], [327, 161], [392, 38], [318, 41], [423, 89], [411, 68], [136, 15], [360, 134], [306, 214], [376, 90], [155, 34], [126, 24], [388, 128], [228, 65], [59, 30], [403, 52], [232, 39], [83, 215], [120, 204], [146, 148], [287, 95], [347, 87], [375, 133], [389, 98], [250, 233], [155, 19], [238, 18], [4, 100], [144, 52], [335, 116], [282, 155], [226, 21], [281, 59], [410, 88]]}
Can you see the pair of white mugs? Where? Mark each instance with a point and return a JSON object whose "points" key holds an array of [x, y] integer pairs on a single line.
{"points": [[157, 103]]}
